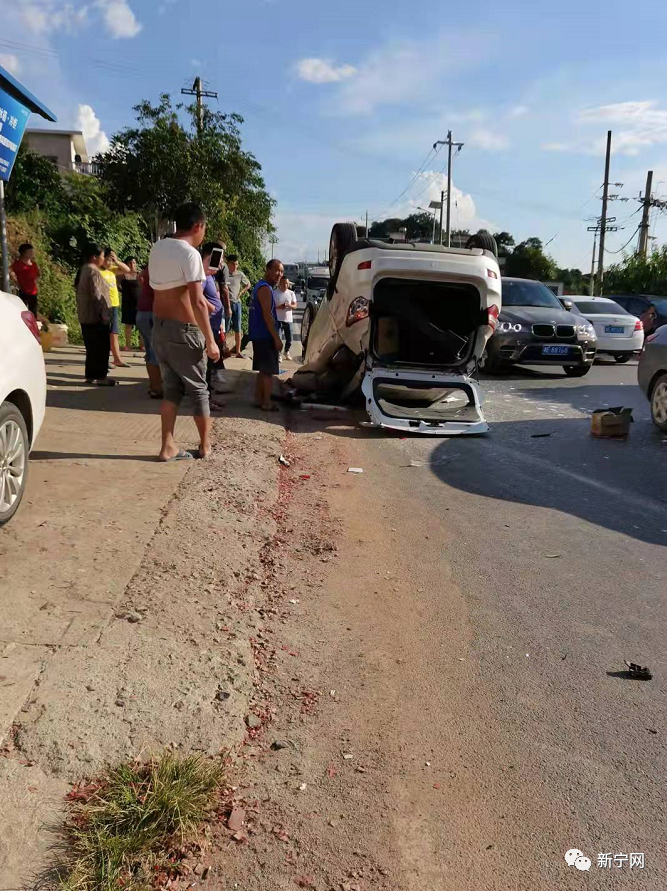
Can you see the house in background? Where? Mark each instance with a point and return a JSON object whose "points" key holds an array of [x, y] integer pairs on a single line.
{"points": [[66, 149]]}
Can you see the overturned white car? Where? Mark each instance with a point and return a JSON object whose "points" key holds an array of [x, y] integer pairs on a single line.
{"points": [[406, 324]]}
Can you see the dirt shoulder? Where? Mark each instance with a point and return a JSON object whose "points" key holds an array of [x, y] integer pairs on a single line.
{"points": [[130, 591]]}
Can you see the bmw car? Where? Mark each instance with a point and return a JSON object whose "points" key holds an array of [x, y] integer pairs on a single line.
{"points": [[534, 328]]}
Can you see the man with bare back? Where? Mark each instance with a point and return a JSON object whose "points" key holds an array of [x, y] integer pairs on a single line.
{"points": [[182, 335]]}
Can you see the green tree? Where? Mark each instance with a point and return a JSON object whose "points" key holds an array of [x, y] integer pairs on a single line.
{"points": [[638, 275], [528, 260], [505, 243], [152, 168], [573, 280], [35, 184]]}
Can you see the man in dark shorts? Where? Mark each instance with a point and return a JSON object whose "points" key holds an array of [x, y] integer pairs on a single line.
{"points": [[182, 335], [26, 273], [263, 330]]}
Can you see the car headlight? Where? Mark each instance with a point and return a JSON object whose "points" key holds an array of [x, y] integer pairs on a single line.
{"points": [[506, 327], [586, 332]]}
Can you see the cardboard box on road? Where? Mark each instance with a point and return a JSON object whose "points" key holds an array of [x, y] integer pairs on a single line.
{"points": [[611, 423]]}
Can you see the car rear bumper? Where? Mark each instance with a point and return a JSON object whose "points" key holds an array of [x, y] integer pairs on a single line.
{"points": [[620, 345]]}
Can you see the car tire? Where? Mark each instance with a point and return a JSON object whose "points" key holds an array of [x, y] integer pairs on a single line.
{"points": [[306, 322], [576, 370], [621, 358], [659, 403], [483, 240], [14, 449], [343, 236]]}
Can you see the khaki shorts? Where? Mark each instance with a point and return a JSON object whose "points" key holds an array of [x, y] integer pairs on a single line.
{"points": [[181, 353]]}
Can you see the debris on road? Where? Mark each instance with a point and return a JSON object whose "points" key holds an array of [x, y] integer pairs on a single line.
{"points": [[611, 423], [347, 756], [552, 556], [355, 469], [283, 460], [539, 435], [641, 672], [236, 819], [253, 721]]}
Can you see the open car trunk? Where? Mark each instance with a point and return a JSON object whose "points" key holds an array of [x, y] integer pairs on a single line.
{"points": [[422, 335], [424, 323]]}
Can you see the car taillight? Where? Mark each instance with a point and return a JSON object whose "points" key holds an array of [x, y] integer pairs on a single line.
{"points": [[365, 265], [491, 273], [494, 312], [31, 324], [357, 311], [639, 325]]}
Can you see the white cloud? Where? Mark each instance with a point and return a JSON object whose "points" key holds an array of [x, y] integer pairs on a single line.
{"points": [[323, 71], [411, 73], [483, 138], [89, 124], [119, 18], [11, 63], [47, 16], [637, 125], [519, 111]]}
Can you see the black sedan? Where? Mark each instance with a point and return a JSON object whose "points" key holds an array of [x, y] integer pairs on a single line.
{"points": [[534, 328]]}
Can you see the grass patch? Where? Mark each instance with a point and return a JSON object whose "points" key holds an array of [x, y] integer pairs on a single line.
{"points": [[133, 825]]}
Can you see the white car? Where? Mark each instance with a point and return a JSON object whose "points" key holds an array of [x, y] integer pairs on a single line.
{"points": [[619, 334], [22, 398], [405, 324]]}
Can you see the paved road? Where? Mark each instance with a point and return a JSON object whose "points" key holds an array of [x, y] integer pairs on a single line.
{"points": [[528, 569]]}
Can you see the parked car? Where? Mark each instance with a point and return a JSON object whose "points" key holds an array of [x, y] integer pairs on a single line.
{"points": [[22, 398], [620, 334], [652, 376], [313, 303], [534, 328], [404, 324], [640, 304]]}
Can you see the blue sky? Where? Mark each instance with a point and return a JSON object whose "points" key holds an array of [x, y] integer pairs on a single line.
{"points": [[342, 102]]}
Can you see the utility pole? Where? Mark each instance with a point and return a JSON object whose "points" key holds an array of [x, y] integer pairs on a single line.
{"points": [[366, 224], [603, 218], [199, 91], [642, 247], [442, 205], [591, 284], [450, 145]]}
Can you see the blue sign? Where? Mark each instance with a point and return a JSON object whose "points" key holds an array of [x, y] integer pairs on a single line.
{"points": [[13, 121]]}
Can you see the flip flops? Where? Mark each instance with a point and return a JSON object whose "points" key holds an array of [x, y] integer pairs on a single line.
{"points": [[181, 455]]}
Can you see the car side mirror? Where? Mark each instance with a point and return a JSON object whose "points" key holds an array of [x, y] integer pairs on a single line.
{"points": [[566, 304]]}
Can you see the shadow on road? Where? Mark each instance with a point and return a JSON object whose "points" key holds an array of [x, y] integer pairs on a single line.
{"points": [[600, 481]]}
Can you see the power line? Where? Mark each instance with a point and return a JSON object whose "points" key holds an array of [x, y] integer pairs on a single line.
{"points": [[626, 243]]}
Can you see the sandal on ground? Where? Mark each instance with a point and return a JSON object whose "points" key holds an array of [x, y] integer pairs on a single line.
{"points": [[155, 394], [181, 455]]}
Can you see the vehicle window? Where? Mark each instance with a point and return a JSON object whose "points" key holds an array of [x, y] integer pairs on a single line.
{"points": [[591, 308], [660, 304], [529, 294], [636, 306], [316, 282]]}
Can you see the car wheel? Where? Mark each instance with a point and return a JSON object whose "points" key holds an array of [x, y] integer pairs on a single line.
{"points": [[621, 358], [576, 370], [14, 448], [659, 403], [343, 236], [306, 322], [483, 240], [491, 364]]}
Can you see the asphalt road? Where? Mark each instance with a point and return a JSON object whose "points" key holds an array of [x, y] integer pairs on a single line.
{"points": [[541, 566]]}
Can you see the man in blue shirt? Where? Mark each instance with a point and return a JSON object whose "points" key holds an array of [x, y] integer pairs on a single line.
{"points": [[263, 331]]}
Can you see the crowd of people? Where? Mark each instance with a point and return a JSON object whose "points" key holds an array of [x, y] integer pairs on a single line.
{"points": [[184, 304]]}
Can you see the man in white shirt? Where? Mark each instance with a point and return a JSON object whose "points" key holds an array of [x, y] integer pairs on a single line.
{"points": [[182, 335], [285, 304]]}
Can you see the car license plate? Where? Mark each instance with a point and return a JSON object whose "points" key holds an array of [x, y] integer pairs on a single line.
{"points": [[553, 350], [614, 329]]}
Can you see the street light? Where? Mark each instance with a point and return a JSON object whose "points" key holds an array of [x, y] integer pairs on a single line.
{"points": [[436, 206]]}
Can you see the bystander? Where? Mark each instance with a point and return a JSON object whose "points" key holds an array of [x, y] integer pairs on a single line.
{"points": [[25, 271]]}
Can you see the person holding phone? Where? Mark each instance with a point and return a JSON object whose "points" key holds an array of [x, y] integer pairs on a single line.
{"points": [[212, 259], [182, 334], [285, 304]]}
